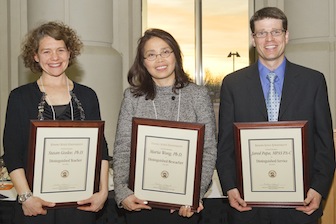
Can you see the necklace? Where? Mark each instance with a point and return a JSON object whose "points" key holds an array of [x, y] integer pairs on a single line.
{"points": [[178, 108], [51, 106]]}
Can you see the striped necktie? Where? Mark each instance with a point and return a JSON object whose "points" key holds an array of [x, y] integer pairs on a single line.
{"points": [[273, 99]]}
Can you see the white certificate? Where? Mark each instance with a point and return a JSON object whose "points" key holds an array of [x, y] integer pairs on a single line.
{"points": [[64, 160], [272, 163], [165, 164]]}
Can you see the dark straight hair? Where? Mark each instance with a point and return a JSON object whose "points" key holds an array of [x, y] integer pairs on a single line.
{"points": [[139, 78]]}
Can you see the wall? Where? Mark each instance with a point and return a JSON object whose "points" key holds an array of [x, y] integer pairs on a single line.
{"points": [[109, 30]]}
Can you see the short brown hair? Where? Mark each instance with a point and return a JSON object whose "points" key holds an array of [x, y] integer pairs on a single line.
{"points": [[56, 30], [269, 12]]}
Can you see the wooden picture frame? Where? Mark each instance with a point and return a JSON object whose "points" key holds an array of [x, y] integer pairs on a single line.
{"points": [[166, 162], [64, 160], [272, 163]]}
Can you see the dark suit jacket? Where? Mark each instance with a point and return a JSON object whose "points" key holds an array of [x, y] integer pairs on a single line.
{"points": [[304, 97]]}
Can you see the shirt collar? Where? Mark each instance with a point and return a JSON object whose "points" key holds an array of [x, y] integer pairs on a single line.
{"points": [[279, 71]]}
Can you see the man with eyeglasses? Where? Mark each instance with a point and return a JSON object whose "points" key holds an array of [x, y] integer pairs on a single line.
{"points": [[296, 94]]}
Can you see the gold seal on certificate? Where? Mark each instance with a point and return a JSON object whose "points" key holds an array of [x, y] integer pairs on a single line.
{"points": [[64, 173], [164, 174], [272, 173], [272, 163]]}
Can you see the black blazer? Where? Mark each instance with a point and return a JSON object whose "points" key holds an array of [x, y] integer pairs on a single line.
{"points": [[304, 97]]}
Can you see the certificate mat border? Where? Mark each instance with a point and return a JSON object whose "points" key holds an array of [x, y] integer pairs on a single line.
{"points": [[136, 183], [272, 126], [35, 125]]}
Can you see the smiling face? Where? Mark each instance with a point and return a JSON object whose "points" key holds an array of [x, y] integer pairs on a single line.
{"points": [[271, 49], [53, 56], [162, 69]]}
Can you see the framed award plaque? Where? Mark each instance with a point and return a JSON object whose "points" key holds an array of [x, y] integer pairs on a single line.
{"points": [[166, 162], [64, 160], [272, 163]]}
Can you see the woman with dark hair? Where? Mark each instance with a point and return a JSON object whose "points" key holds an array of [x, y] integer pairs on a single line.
{"points": [[160, 89], [49, 49]]}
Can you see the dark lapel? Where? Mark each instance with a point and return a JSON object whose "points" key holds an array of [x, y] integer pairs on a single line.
{"points": [[255, 90], [289, 89]]}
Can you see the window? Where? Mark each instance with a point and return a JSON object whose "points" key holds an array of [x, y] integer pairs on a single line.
{"points": [[224, 32]]}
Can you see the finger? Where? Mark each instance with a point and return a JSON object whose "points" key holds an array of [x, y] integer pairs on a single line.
{"points": [[83, 208], [141, 202], [242, 202], [83, 202], [241, 208], [200, 208], [43, 212], [185, 210], [146, 207], [49, 204], [309, 209], [86, 208], [137, 207], [307, 201]]}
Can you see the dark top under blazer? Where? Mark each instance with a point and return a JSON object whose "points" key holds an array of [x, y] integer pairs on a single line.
{"points": [[304, 97], [23, 106]]}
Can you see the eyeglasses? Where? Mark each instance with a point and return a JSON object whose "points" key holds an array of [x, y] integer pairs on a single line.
{"points": [[163, 54], [274, 33]]}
